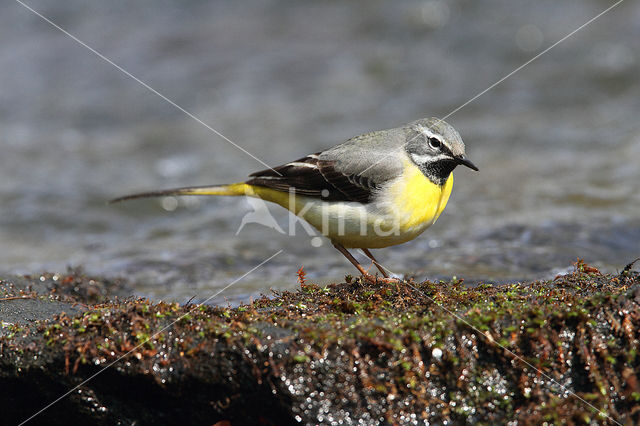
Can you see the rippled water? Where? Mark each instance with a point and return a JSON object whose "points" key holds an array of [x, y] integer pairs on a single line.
{"points": [[558, 143]]}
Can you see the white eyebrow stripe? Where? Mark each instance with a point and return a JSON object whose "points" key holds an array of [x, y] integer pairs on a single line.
{"points": [[313, 156], [429, 133]]}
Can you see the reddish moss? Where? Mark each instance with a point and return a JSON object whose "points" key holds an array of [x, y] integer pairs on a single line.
{"points": [[434, 351]]}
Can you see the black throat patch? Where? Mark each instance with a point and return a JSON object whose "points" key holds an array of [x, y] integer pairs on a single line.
{"points": [[438, 171]]}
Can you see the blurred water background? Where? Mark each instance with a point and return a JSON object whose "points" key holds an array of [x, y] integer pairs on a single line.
{"points": [[558, 143]]}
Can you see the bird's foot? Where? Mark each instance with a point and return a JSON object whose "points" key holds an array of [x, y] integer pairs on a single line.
{"points": [[375, 279], [390, 280]]}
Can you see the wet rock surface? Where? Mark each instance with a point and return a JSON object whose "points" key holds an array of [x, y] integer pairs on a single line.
{"points": [[559, 350]]}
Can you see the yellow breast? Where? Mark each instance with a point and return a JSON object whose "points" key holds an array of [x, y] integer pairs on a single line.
{"points": [[417, 201]]}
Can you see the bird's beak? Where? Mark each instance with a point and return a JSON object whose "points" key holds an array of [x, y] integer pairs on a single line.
{"points": [[461, 159]]}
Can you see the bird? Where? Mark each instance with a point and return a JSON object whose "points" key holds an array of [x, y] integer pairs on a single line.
{"points": [[375, 190]]}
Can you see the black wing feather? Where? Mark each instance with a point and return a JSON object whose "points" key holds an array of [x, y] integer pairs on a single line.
{"points": [[314, 177]]}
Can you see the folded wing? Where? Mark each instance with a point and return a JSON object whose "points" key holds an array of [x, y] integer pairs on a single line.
{"points": [[352, 171], [314, 177]]}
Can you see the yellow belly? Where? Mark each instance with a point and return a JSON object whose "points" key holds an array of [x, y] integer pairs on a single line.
{"points": [[401, 211]]}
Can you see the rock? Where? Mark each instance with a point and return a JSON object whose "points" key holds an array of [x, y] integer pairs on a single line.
{"points": [[560, 350]]}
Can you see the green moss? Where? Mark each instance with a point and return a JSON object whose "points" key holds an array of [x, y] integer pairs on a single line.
{"points": [[301, 358], [413, 343]]}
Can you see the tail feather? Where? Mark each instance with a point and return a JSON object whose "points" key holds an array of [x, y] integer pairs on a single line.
{"points": [[240, 188]]}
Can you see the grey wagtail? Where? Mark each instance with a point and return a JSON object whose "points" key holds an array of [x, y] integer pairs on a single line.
{"points": [[375, 190]]}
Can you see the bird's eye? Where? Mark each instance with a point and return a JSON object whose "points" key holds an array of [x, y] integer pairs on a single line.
{"points": [[434, 143]]}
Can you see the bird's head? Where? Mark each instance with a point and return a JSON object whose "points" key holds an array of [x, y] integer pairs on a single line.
{"points": [[436, 148]]}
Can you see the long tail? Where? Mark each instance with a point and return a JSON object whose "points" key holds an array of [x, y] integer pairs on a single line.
{"points": [[239, 188]]}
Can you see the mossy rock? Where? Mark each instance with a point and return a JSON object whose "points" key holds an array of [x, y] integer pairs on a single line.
{"points": [[563, 350]]}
